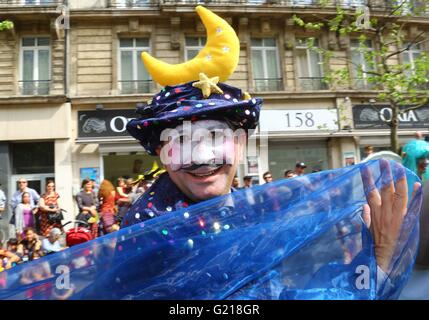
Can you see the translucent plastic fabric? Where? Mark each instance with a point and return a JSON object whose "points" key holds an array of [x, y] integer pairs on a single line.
{"points": [[301, 238]]}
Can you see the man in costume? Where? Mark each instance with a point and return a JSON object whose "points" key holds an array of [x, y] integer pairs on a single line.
{"points": [[204, 172]]}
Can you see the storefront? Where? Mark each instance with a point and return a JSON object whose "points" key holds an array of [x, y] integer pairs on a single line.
{"points": [[104, 149], [299, 134], [370, 124], [36, 150]]}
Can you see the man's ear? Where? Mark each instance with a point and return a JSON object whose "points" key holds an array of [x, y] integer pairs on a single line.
{"points": [[158, 150]]}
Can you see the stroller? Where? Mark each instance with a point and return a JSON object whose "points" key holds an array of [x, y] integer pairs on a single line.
{"points": [[80, 233]]}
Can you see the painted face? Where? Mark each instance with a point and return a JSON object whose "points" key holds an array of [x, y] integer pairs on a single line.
{"points": [[201, 158]]}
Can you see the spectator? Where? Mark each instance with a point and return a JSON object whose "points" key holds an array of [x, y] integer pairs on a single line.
{"points": [[2, 202], [49, 203], [7, 258], [30, 246], [289, 174], [121, 197], [94, 186], [418, 135], [300, 169], [368, 150], [247, 182], [422, 164], [236, 183], [51, 244], [268, 177], [108, 211], [12, 246], [88, 203], [140, 186], [17, 196], [23, 216]]}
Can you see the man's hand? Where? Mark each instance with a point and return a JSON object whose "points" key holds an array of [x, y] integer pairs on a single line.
{"points": [[385, 211]]}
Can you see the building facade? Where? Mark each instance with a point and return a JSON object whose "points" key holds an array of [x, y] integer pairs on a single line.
{"points": [[67, 93]]}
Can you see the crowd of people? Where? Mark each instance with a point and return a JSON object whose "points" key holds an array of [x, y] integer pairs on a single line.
{"points": [[36, 220], [35, 224], [268, 177]]}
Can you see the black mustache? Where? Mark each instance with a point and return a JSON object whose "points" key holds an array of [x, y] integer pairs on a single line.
{"points": [[195, 166]]}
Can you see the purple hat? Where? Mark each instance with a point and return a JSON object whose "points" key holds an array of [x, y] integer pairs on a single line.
{"points": [[184, 102]]}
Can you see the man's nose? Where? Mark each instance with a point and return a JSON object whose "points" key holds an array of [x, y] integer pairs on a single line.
{"points": [[203, 152]]}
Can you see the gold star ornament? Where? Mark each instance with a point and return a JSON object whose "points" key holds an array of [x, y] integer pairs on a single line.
{"points": [[207, 85]]}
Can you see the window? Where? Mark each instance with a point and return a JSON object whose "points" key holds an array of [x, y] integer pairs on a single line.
{"points": [[35, 66], [410, 57], [309, 63], [283, 156], [193, 45], [133, 76], [362, 63], [265, 65], [412, 54], [40, 2], [353, 3], [33, 157], [132, 3]]}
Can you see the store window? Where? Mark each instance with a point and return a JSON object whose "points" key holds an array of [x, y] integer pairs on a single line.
{"points": [[283, 155], [33, 157], [34, 161], [127, 166], [134, 77]]}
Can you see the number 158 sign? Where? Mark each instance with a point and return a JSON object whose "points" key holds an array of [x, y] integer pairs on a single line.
{"points": [[299, 120]]}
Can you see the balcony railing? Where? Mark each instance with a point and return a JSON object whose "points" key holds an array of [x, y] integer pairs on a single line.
{"points": [[30, 3], [268, 84], [136, 87], [34, 88], [312, 83], [124, 4]]}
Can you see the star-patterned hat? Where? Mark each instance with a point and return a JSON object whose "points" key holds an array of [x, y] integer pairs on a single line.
{"points": [[192, 101]]}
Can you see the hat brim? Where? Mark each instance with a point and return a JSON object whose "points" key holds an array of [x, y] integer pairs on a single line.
{"points": [[243, 114]]}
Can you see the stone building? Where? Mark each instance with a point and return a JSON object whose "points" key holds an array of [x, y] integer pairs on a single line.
{"points": [[67, 93]]}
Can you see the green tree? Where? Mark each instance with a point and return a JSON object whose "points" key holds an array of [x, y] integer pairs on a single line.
{"points": [[404, 86], [6, 25]]}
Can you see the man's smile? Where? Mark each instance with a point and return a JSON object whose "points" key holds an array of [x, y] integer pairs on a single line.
{"points": [[204, 172]]}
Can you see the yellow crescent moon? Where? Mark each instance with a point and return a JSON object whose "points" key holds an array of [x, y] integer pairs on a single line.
{"points": [[219, 57]]}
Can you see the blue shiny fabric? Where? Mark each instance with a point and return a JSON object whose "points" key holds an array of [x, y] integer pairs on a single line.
{"points": [[302, 238]]}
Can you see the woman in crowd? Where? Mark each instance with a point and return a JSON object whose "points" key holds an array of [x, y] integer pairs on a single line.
{"points": [[24, 215], [106, 196], [7, 259], [122, 199], [88, 203], [49, 203], [30, 247]]}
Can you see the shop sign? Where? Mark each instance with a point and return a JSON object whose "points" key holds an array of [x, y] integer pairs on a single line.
{"points": [[90, 173], [377, 117], [104, 123], [299, 120]]}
